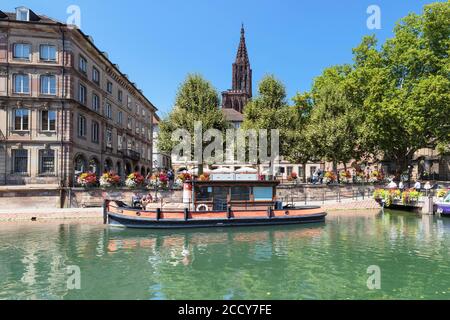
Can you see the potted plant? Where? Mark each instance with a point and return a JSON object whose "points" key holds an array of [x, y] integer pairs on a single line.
{"points": [[109, 180], [87, 180], [134, 180], [329, 177]]}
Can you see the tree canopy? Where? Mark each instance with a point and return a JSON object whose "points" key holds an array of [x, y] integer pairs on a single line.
{"points": [[196, 100]]}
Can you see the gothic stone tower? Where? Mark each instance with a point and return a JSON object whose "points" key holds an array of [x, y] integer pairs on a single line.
{"points": [[241, 91]]}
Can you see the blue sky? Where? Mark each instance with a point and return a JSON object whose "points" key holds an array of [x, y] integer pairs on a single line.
{"points": [[157, 43]]}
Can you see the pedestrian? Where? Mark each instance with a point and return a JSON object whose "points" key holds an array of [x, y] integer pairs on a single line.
{"points": [[418, 186], [427, 187], [315, 178], [321, 173], [171, 177], [392, 185], [401, 186]]}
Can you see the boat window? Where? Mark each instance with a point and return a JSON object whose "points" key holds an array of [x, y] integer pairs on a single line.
{"points": [[263, 193], [447, 198], [240, 193], [203, 194]]}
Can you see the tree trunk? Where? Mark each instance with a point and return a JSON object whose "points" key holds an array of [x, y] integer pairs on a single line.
{"points": [[304, 172], [335, 164]]}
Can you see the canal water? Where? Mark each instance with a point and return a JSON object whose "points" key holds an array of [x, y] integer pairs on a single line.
{"points": [[323, 261]]}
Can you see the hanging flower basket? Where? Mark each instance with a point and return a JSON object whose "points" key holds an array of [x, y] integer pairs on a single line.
{"points": [[135, 180], [109, 180], [87, 180]]}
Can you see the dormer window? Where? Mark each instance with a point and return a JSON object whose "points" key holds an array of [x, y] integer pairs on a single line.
{"points": [[23, 14]]}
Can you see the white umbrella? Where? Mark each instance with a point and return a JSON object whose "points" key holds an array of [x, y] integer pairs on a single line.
{"points": [[195, 171], [246, 170], [222, 170]]}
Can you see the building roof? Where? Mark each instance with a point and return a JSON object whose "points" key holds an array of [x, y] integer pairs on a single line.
{"points": [[156, 119], [232, 115]]}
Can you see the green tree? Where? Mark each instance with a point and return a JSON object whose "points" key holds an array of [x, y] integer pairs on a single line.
{"points": [[298, 143], [269, 110], [404, 87], [335, 121], [196, 100]]}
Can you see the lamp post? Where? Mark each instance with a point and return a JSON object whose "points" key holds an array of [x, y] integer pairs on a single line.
{"points": [[363, 168], [409, 176]]}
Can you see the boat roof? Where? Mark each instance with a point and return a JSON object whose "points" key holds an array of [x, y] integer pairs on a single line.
{"points": [[237, 183]]}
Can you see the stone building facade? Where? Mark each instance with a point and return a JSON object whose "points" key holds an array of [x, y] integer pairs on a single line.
{"points": [[161, 160], [65, 108]]}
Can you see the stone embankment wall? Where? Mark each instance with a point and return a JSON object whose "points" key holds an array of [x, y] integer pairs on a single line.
{"points": [[19, 197]]}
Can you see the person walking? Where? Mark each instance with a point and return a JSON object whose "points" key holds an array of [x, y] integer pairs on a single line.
{"points": [[427, 188], [171, 177], [418, 186]]}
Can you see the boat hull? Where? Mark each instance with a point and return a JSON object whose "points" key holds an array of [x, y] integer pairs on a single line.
{"points": [[443, 209], [128, 218], [132, 222]]}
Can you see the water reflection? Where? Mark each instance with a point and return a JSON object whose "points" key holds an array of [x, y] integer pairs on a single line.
{"points": [[320, 261]]}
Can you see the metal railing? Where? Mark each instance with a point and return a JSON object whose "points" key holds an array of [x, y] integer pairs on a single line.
{"points": [[307, 196]]}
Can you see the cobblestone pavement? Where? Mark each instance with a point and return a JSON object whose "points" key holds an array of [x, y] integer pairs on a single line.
{"points": [[28, 214]]}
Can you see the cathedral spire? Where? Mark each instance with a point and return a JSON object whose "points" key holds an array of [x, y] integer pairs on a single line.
{"points": [[242, 56], [241, 91]]}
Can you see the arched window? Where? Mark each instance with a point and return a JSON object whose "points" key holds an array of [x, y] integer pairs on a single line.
{"points": [[94, 166], [108, 166], [119, 168], [128, 168], [80, 164]]}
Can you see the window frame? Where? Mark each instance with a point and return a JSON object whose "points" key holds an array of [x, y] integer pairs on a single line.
{"points": [[21, 129], [81, 126], [14, 162], [41, 162], [95, 97], [82, 67], [80, 85], [109, 137], [30, 48], [95, 71], [48, 46], [48, 124], [15, 75], [95, 132], [108, 110], [109, 87], [48, 93]]}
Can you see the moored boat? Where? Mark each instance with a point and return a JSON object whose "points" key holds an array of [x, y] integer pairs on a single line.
{"points": [[443, 207], [216, 204]]}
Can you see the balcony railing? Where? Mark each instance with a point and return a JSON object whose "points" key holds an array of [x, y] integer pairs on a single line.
{"points": [[131, 154]]}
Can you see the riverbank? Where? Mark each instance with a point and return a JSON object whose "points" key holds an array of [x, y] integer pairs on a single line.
{"points": [[96, 214]]}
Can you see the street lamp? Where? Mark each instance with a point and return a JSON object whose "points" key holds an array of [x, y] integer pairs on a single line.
{"points": [[409, 176]]}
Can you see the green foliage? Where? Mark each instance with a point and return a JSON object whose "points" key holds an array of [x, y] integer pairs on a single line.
{"points": [[196, 100], [404, 87], [335, 119]]}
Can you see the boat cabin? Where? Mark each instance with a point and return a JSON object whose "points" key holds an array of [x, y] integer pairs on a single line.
{"points": [[237, 195]]}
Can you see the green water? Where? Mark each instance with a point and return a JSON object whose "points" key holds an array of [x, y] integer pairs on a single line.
{"points": [[324, 261]]}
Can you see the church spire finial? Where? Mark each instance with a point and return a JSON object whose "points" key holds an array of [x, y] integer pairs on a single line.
{"points": [[242, 56]]}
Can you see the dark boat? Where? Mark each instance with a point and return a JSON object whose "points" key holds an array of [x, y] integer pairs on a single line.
{"points": [[443, 208], [217, 204]]}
